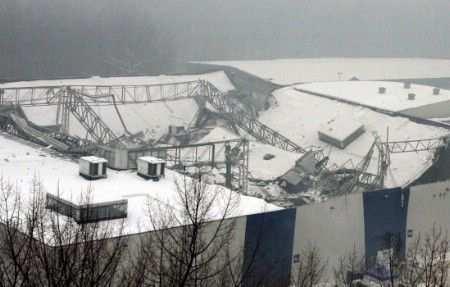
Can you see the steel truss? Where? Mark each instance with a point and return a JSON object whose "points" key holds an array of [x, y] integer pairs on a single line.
{"points": [[204, 156], [416, 145], [240, 117], [97, 130], [100, 94]]}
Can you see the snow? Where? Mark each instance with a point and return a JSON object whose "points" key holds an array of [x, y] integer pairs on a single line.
{"points": [[218, 134], [366, 92], [340, 128], [218, 79], [307, 112], [151, 118], [258, 167], [291, 71], [151, 159], [262, 169], [93, 159], [21, 163]]}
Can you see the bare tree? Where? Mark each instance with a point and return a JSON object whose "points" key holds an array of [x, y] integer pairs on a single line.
{"points": [[39, 247], [350, 269], [310, 268], [187, 249], [426, 263]]}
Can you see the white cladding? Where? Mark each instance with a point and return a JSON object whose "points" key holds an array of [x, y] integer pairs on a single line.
{"points": [[145, 164], [428, 207], [92, 166]]}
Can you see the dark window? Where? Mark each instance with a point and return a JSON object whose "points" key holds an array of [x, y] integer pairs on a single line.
{"points": [[104, 169], [93, 169], [152, 169]]}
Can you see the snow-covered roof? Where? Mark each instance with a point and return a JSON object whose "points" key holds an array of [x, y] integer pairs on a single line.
{"points": [[340, 128], [307, 112], [218, 79], [153, 118], [93, 159], [151, 159], [259, 168], [291, 71], [395, 98], [21, 163]]}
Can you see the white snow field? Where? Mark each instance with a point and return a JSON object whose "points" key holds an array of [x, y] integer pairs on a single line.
{"points": [[299, 116], [21, 163], [292, 71], [395, 99]]}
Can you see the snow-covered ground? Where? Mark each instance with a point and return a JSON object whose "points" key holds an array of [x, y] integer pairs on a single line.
{"points": [[395, 98], [20, 163], [307, 113], [291, 71]]}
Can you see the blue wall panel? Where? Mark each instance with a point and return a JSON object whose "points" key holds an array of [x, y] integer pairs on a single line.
{"points": [[385, 216], [268, 248]]}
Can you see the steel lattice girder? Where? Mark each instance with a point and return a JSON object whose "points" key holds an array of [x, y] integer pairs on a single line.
{"points": [[88, 118], [416, 145], [100, 94], [254, 127]]}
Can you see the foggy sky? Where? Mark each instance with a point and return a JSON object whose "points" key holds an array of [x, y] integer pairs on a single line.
{"points": [[51, 38]]}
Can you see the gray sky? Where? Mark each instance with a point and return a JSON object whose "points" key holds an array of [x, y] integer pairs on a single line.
{"points": [[42, 38]]}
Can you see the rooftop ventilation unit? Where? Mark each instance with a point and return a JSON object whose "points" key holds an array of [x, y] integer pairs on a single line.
{"points": [[92, 167], [382, 90], [340, 132], [406, 85], [411, 97], [87, 213], [150, 167], [436, 91]]}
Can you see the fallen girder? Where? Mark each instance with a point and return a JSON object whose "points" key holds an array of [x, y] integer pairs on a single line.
{"points": [[416, 145], [96, 128], [240, 117]]}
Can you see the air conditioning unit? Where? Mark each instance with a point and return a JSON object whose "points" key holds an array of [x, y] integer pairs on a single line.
{"points": [[150, 167], [92, 167]]}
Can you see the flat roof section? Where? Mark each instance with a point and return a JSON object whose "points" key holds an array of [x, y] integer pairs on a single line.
{"points": [[395, 99], [307, 112], [22, 163]]}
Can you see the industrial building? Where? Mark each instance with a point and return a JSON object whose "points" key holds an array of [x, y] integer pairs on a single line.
{"points": [[337, 164]]}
